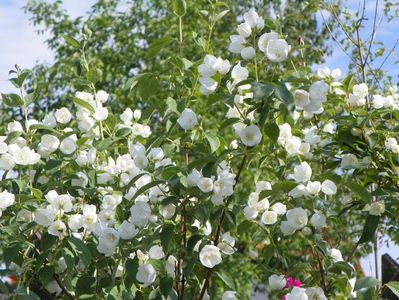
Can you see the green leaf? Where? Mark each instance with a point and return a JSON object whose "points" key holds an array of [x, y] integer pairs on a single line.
{"points": [[213, 141], [81, 250], [131, 267], [19, 81], [71, 41], [12, 100], [10, 253], [342, 266], [358, 189], [52, 163], [227, 279], [166, 236], [221, 14], [104, 144], [201, 213], [272, 131], [157, 46], [172, 105], [42, 127], [262, 91], [192, 241], [366, 282], [179, 7], [147, 85], [146, 187], [369, 229], [83, 104], [94, 75], [123, 132], [227, 123], [394, 287], [86, 284], [166, 285], [134, 179]]}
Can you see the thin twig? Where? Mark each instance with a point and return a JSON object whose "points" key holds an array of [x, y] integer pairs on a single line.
{"points": [[219, 228]]}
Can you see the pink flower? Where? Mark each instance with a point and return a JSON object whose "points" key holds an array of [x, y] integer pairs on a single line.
{"points": [[283, 298], [291, 282]]}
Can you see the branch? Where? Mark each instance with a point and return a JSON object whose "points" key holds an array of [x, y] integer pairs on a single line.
{"points": [[219, 228]]}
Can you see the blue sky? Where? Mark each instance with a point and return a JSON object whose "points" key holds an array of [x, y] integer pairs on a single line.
{"points": [[22, 46]]}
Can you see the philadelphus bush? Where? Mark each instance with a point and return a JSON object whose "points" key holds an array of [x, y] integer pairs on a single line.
{"points": [[162, 206]]}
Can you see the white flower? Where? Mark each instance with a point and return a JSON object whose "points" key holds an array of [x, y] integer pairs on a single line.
{"points": [[349, 160], [297, 293], [137, 114], [236, 43], [6, 199], [313, 187], [170, 266], [227, 244], [297, 217], [127, 230], [248, 53], [140, 212], [328, 187], [229, 295], [188, 119], [239, 73], [63, 115], [62, 203], [127, 116], [318, 220], [302, 172], [194, 177], [6, 162], [336, 73], [168, 211], [279, 208], [250, 212], [335, 255], [323, 72], [49, 143], [299, 191], [269, 217], [210, 256], [264, 40], [44, 216], [244, 30], [253, 19], [68, 145], [377, 208], [378, 101], [277, 282], [109, 237], [156, 252], [208, 85], [100, 113], [360, 90], [57, 228], [102, 96], [316, 294], [23, 155], [328, 128], [14, 126], [250, 135], [205, 184], [146, 274], [75, 222], [277, 50], [391, 144], [301, 98]]}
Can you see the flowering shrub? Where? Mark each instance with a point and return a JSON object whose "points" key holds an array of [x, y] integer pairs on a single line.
{"points": [[161, 205]]}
